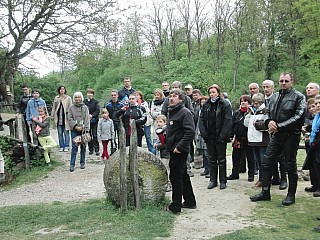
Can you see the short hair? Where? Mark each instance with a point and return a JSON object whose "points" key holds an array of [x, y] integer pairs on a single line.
{"points": [[245, 98], [77, 94], [196, 91], [269, 82], [288, 73], [317, 97], [158, 90], [177, 92], [59, 88], [215, 86], [36, 90], [104, 110], [140, 93], [90, 90], [43, 108], [127, 78], [259, 97], [24, 85], [177, 83], [165, 82], [162, 117], [315, 84], [225, 94], [310, 101], [257, 85]]}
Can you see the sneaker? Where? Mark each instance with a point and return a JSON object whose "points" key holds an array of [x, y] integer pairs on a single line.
{"points": [[82, 166], [66, 150], [71, 168], [49, 164], [61, 150]]}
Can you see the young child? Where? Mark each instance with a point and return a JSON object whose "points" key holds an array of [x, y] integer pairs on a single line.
{"points": [[43, 132], [105, 133]]}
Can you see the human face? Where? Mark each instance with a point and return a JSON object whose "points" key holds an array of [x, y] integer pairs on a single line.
{"points": [[160, 123], [175, 86], [62, 90], [256, 104], [202, 102], [213, 93], [317, 103], [244, 104], [312, 109], [253, 89], [114, 96], [132, 100], [105, 115], [41, 112], [36, 95], [157, 96], [138, 97], [188, 91], [127, 82], [77, 99], [165, 86], [268, 89], [285, 82], [25, 91], [89, 95], [195, 96], [311, 90], [174, 99]]}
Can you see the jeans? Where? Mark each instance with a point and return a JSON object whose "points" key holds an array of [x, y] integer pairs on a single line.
{"points": [[147, 134], [74, 150], [64, 137], [205, 157], [258, 153], [180, 181]]}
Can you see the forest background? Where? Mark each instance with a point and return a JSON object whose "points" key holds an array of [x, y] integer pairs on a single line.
{"points": [[201, 42]]}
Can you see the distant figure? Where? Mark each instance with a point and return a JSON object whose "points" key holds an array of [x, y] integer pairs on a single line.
{"points": [[166, 88], [1, 104], [22, 106], [123, 94]]}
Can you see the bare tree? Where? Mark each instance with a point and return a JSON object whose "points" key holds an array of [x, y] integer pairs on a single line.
{"points": [[200, 20]]}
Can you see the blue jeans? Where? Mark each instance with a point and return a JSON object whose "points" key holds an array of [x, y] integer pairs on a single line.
{"points": [[64, 137], [258, 153], [74, 151], [147, 134]]}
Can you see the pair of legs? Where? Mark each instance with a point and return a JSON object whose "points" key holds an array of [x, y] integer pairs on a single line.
{"points": [[237, 154], [47, 143], [105, 153], [74, 151], [258, 152], [139, 140], [93, 144], [180, 181], [147, 134], [64, 137]]}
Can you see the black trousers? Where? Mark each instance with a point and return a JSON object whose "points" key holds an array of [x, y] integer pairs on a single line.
{"points": [[180, 181], [93, 144], [287, 143], [139, 140], [237, 154]]}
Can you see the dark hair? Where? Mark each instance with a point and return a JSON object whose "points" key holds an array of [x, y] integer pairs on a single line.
{"points": [[90, 90], [59, 88], [245, 98], [196, 91], [215, 86], [24, 85], [36, 90], [288, 73], [177, 91]]}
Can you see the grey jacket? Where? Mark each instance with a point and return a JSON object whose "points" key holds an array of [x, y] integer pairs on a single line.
{"points": [[105, 129], [78, 115]]}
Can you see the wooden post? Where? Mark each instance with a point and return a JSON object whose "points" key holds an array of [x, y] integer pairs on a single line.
{"points": [[123, 172], [133, 164], [25, 143]]}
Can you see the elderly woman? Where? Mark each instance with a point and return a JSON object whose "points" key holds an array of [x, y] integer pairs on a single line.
{"points": [[61, 104], [215, 125], [156, 106], [79, 121], [258, 136]]}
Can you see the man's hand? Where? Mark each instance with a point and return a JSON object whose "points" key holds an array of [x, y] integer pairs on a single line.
{"points": [[176, 151], [272, 126]]}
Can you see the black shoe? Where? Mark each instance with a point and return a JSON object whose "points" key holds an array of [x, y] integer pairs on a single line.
{"points": [[90, 152], [204, 173], [208, 175], [283, 185], [289, 200], [317, 193], [262, 196], [212, 185], [223, 185], [233, 177], [97, 153], [188, 206], [310, 189], [250, 178], [275, 182]]}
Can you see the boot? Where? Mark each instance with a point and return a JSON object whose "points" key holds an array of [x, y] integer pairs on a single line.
{"points": [[293, 181], [223, 175], [264, 195], [290, 199], [213, 177], [283, 182]]}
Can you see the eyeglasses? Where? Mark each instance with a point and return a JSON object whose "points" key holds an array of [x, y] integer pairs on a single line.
{"points": [[252, 88], [284, 81], [131, 98]]}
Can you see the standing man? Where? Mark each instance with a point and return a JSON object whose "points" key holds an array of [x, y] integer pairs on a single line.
{"points": [[94, 110], [22, 106], [189, 89], [32, 111], [285, 116], [180, 133], [312, 90], [114, 106], [123, 94], [253, 88], [166, 88]]}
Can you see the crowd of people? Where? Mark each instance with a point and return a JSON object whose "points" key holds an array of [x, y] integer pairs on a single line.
{"points": [[264, 130]]}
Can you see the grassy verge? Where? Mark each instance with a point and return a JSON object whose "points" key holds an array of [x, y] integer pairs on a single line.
{"points": [[95, 219], [293, 222]]}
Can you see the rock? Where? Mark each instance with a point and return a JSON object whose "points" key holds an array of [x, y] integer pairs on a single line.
{"points": [[152, 174]]}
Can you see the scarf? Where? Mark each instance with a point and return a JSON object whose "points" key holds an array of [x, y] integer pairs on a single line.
{"points": [[158, 102], [38, 128]]}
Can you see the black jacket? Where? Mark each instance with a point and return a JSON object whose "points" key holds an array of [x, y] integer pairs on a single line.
{"points": [[287, 109], [238, 129], [112, 108], [94, 110], [22, 104], [134, 112], [180, 128], [219, 127], [124, 93]]}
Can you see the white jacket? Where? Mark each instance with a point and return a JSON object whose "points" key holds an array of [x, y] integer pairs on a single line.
{"points": [[255, 136]]}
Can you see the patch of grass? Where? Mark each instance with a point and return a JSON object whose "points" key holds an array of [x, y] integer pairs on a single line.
{"points": [[95, 219], [293, 222]]}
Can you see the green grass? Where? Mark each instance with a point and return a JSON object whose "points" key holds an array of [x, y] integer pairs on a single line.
{"points": [[293, 222], [95, 219]]}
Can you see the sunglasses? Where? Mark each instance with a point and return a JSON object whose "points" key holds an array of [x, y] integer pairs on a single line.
{"points": [[284, 81]]}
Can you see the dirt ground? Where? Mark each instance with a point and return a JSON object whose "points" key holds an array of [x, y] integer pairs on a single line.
{"points": [[218, 211]]}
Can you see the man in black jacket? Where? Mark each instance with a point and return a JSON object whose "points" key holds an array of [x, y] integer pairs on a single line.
{"points": [[285, 118], [123, 94], [94, 110], [22, 106], [180, 133]]}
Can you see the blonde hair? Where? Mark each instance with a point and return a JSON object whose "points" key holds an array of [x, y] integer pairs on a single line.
{"points": [[104, 110], [162, 117], [158, 90], [44, 109]]}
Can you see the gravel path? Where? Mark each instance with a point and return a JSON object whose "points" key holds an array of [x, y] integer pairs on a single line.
{"points": [[218, 212]]}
